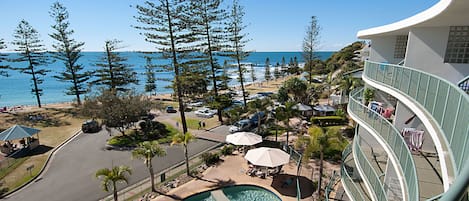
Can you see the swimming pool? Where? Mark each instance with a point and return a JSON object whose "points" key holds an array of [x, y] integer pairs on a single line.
{"points": [[237, 193]]}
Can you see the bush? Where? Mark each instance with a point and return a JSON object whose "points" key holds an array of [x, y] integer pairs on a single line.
{"points": [[328, 120], [210, 158], [227, 150], [121, 141]]}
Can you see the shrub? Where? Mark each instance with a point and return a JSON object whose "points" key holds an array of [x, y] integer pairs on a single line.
{"points": [[121, 141], [227, 150], [328, 120], [210, 158]]}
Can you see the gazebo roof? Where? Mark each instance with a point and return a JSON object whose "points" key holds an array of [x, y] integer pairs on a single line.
{"points": [[17, 132]]}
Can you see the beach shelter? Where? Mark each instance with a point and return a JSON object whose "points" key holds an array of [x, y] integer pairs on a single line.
{"points": [[267, 157], [243, 138], [305, 110], [302, 107], [18, 132], [323, 110]]}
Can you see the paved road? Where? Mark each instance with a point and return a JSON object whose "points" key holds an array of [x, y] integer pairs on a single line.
{"points": [[70, 175]]}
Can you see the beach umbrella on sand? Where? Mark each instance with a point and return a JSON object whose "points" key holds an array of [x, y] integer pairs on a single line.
{"points": [[267, 157], [243, 138]]}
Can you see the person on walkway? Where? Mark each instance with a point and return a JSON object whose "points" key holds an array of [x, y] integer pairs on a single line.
{"points": [[177, 124], [200, 125], [203, 124]]}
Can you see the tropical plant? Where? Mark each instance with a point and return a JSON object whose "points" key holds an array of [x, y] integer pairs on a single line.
{"points": [[310, 42], [285, 113], [257, 107], [323, 142], [69, 52], [32, 52], [112, 71], [296, 88], [368, 95], [146, 151], [238, 41], [184, 139], [111, 177]]}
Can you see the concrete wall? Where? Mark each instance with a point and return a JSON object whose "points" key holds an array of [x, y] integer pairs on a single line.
{"points": [[382, 49], [426, 48]]}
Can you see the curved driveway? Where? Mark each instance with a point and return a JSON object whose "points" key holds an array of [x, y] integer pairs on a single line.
{"points": [[70, 175]]}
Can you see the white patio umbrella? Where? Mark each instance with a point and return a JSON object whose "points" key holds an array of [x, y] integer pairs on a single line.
{"points": [[268, 157], [243, 138]]}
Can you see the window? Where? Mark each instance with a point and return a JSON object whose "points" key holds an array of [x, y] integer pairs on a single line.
{"points": [[401, 46], [457, 50]]}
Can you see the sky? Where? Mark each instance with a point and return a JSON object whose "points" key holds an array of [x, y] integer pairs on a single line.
{"points": [[272, 25]]}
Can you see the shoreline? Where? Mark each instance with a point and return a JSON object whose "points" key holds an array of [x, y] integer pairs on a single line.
{"points": [[271, 85]]}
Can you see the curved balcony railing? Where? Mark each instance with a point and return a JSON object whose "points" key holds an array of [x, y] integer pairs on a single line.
{"points": [[371, 176], [444, 101], [389, 134], [351, 188]]}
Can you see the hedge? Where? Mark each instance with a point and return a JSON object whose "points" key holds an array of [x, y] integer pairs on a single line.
{"points": [[329, 120]]}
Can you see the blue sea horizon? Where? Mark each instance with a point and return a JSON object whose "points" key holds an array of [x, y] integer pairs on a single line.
{"points": [[15, 90]]}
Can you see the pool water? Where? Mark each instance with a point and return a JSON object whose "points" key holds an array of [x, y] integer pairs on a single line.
{"points": [[238, 193]]}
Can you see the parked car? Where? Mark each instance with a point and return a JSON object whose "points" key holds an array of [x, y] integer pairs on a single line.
{"points": [[90, 126], [266, 94], [255, 117], [242, 125], [206, 113], [170, 109], [196, 104]]}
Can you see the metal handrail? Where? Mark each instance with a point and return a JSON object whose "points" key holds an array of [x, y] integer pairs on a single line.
{"points": [[389, 134], [351, 189], [371, 176], [446, 103]]}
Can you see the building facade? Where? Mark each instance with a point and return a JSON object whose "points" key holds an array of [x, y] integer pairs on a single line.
{"points": [[412, 135]]}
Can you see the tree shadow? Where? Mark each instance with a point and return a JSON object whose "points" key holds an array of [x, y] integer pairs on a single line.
{"points": [[41, 149], [217, 182]]}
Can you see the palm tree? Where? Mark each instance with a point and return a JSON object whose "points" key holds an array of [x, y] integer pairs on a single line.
{"points": [[184, 139], [110, 178], [147, 151], [285, 113], [321, 140], [257, 106]]}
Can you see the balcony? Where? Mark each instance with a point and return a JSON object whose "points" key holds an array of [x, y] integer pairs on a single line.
{"points": [[353, 186], [441, 103], [392, 141]]}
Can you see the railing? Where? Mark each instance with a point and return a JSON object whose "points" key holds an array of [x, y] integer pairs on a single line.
{"points": [[444, 101], [349, 185], [393, 139], [368, 170], [464, 84]]}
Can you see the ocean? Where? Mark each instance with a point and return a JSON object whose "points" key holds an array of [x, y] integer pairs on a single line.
{"points": [[16, 89]]}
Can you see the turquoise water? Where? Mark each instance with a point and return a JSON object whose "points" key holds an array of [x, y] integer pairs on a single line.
{"points": [[239, 193], [16, 89]]}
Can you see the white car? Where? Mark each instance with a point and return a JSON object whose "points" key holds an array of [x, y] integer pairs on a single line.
{"points": [[196, 104], [206, 113]]}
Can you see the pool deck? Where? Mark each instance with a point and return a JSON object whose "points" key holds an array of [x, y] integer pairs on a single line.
{"points": [[232, 172]]}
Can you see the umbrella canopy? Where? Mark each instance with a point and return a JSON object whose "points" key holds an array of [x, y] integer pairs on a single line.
{"points": [[268, 157], [17, 132], [302, 107], [243, 138]]}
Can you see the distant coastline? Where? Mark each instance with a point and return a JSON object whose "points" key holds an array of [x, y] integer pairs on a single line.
{"points": [[15, 90]]}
